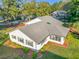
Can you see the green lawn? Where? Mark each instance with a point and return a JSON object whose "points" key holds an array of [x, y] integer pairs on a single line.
{"points": [[72, 52]]}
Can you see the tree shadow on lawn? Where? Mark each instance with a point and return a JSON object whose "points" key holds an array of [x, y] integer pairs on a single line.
{"points": [[50, 55], [11, 53]]}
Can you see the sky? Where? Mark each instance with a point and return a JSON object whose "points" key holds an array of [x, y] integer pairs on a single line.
{"points": [[50, 1]]}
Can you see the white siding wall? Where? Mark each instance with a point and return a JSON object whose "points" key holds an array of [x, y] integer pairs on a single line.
{"points": [[39, 46], [18, 33], [62, 40], [48, 39]]}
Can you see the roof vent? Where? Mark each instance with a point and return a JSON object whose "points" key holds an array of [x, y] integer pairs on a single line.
{"points": [[48, 23]]}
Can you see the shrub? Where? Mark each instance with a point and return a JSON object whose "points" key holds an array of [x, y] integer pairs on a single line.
{"points": [[26, 50], [3, 38], [43, 50], [75, 35], [1, 43], [34, 55]]}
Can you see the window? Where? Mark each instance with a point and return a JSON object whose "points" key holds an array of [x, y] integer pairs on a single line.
{"points": [[26, 41], [42, 41], [21, 40], [56, 38], [14, 37], [30, 43]]}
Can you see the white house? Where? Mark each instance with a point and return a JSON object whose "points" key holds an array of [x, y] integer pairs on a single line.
{"points": [[38, 32]]}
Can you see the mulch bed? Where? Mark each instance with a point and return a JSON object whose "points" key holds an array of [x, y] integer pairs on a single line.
{"points": [[30, 53], [20, 25], [65, 45], [11, 44], [40, 54]]}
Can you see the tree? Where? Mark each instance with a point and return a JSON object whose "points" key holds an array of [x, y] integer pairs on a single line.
{"points": [[29, 9], [9, 10], [43, 9], [73, 11], [58, 6]]}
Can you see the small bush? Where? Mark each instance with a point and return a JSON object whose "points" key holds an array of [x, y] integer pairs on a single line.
{"points": [[1, 43], [3, 38], [43, 50], [26, 50], [34, 55], [75, 35]]}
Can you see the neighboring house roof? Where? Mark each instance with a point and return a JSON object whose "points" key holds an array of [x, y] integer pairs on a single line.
{"points": [[59, 13], [48, 26]]}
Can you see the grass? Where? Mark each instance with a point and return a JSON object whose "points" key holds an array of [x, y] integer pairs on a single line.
{"points": [[18, 57], [50, 55], [76, 25], [71, 52], [11, 44]]}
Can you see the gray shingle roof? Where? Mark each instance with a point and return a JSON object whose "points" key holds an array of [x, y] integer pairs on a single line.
{"points": [[39, 31]]}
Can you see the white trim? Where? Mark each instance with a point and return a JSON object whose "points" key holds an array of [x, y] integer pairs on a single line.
{"points": [[47, 40], [61, 42], [18, 33], [39, 46]]}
